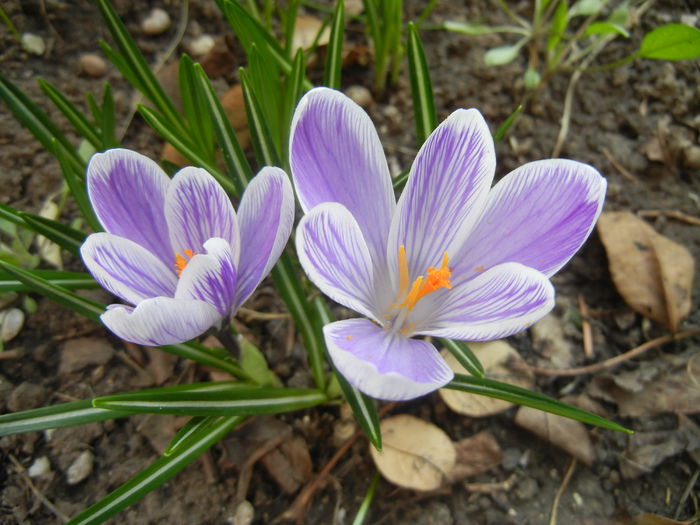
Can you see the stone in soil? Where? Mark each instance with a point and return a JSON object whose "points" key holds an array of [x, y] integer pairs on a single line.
{"points": [[81, 468], [26, 396], [76, 354], [93, 65]]}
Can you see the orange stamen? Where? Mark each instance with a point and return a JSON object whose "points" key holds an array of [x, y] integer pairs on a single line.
{"points": [[436, 279], [181, 262]]}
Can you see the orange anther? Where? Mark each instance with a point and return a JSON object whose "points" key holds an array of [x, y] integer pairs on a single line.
{"points": [[181, 262]]}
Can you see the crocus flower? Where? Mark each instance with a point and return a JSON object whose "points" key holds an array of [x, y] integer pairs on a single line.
{"points": [[175, 248], [453, 258]]}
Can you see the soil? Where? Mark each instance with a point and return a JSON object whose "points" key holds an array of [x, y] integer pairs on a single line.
{"points": [[618, 120]]}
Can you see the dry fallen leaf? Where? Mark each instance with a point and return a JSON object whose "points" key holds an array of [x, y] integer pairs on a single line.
{"points": [[647, 450], [475, 455], [653, 274], [305, 31], [565, 433], [501, 362], [415, 454]]}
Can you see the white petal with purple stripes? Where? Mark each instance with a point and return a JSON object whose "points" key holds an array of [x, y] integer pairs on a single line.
{"points": [[336, 156], [197, 209], [127, 191], [385, 365], [160, 321], [334, 255], [445, 192], [500, 302], [210, 277], [127, 269], [538, 215], [265, 217]]}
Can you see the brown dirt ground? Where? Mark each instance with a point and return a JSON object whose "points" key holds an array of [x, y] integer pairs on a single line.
{"points": [[620, 110]]}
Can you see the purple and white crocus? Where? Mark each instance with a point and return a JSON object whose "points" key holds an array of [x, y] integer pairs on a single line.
{"points": [[453, 258], [175, 248]]}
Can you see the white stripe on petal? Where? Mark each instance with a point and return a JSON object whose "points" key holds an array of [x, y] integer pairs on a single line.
{"points": [[127, 269], [384, 365], [160, 321], [500, 302]]}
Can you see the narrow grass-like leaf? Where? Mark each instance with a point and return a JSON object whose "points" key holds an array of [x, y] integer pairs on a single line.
{"points": [[293, 90], [63, 235], [263, 144], [8, 213], [193, 426], [522, 396], [199, 353], [36, 120], [400, 180], [367, 500], [183, 144], [108, 120], [195, 108], [421, 87], [157, 473], [122, 65], [68, 280], [464, 356], [55, 416], [134, 61], [264, 82], [503, 128], [334, 51], [90, 309], [363, 407], [234, 401], [234, 156], [81, 124], [76, 185], [289, 22]]}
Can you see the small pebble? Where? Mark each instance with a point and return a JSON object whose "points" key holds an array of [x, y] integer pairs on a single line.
{"points": [[26, 396], [201, 45], [243, 514], [691, 157], [80, 468], [360, 95], [11, 322], [93, 65], [157, 22], [33, 44], [40, 467]]}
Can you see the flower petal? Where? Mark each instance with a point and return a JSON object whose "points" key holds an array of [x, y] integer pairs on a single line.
{"points": [[127, 191], [445, 192], [265, 216], [127, 269], [385, 365], [538, 215], [334, 255], [210, 277], [197, 209], [336, 156], [160, 320], [500, 302]]}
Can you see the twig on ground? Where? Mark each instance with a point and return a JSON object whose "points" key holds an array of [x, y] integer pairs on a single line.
{"points": [[247, 469], [504, 485], [254, 315], [12, 354], [614, 361], [686, 492], [28, 481], [619, 167], [672, 214], [586, 330], [562, 488], [297, 509]]}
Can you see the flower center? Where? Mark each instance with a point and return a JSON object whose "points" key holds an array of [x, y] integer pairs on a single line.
{"points": [[181, 262], [434, 279]]}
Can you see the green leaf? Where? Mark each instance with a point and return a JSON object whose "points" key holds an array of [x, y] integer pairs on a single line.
{"points": [[586, 8], [194, 107], [363, 406], [264, 82], [421, 87], [63, 235], [226, 402], [522, 396], [606, 28], [56, 416], [108, 120], [367, 500], [136, 68], [234, 156], [499, 56], [254, 364], [293, 90], [334, 52], [69, 280], [558, 25], [468, 28], [36, 120], [671, 42], [199, 353], [263, 143], [503, 128], [157, 473], [81, 124], [90, 309], [464, 356], [194, 425]]}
